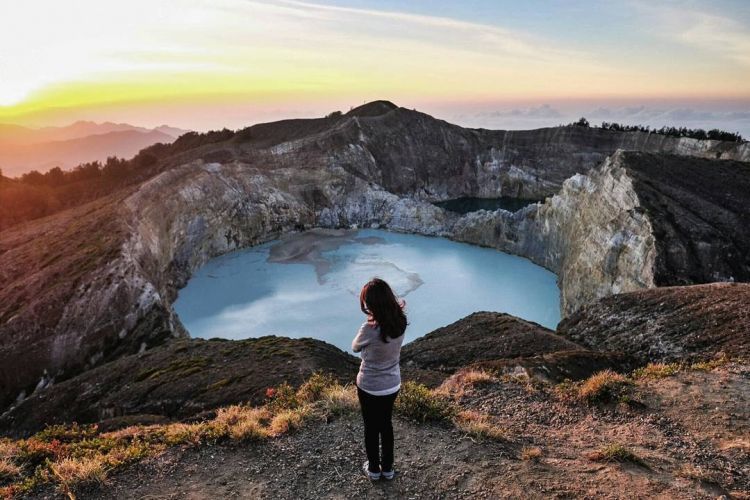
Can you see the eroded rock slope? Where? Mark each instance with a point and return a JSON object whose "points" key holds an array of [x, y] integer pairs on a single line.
{"points": [[97, 282]]}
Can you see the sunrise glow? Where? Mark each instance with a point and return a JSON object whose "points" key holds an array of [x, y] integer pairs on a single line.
{"points": [[205, 64]]}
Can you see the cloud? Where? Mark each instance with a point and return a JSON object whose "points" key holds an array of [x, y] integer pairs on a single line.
{"points": [[545, 115], [720, 35], [542, 111], [480, 37], [669, 115]]}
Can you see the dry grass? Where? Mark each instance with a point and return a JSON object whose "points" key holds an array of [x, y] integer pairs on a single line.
{"points": [[73, 455], [615, 452], [8, 449], [180, 433], [129, 433], [242, 422], [287, 420], [478, 425], [339, 400], [657, 370], [462, 381], [8, 469], [707, 366], [531, 453], [75, 471], [603, 387]]}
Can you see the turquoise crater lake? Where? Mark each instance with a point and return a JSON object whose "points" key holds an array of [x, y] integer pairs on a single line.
{"points": [[307, 285]]}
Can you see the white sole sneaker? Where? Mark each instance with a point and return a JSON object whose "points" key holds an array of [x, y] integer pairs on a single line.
{"points": [[388, 475], [374, 476]]}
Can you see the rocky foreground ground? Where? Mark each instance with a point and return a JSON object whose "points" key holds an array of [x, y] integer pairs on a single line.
{"points": [[681, 435]]}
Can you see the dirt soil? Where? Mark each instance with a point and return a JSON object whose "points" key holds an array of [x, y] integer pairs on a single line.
{"points": [[690, 430]]}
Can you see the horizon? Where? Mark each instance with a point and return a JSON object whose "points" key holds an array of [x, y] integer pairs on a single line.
{"points": [[480, 64]]}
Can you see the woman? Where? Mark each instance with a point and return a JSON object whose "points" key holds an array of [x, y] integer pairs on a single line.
{"points": [[379, 340]]}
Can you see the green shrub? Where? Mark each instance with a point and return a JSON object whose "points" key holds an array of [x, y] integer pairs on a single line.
{"points": [[67, 433], [283, 397], [315, 386], [417, 402], [657, 370]]}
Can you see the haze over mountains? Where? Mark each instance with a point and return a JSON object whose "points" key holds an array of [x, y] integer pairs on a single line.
{"points": [[23, 149]]}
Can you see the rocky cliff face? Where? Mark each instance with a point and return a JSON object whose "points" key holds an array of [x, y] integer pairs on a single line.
{"points": [[667, 324], [593, 234], [91, 284], [638, 221]]}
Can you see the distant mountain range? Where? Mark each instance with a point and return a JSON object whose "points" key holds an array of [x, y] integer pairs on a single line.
{"points": [[23, 149]]}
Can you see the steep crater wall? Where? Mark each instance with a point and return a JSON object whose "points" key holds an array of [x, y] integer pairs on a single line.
{"points": [[133, 251]]}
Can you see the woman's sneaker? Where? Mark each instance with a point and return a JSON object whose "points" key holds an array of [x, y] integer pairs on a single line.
{"points": [[388, 474], [374, 476]]}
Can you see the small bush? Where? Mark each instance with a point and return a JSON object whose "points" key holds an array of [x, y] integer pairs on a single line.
{"points": [[603, 387], [417, 402], [242, 422], [657, 370], [35, 452], [314, 387], [478, 425], [283, 397], [531, 453], [75, 471], [287, 420], [615, 452], [339, 400]]}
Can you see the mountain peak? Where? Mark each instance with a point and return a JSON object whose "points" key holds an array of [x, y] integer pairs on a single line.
{"points": [[374, 108]]}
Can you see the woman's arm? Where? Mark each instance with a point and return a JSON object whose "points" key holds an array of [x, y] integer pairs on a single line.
{"points": [[361, 339]]}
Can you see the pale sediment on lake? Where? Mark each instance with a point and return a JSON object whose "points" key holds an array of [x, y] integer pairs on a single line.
{"points": [[307, 248]]}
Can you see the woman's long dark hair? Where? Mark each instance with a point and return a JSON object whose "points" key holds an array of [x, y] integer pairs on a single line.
{"points": [[378, 301]]}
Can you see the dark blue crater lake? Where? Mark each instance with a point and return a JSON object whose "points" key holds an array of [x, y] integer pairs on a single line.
{"points": [[307, 285]]}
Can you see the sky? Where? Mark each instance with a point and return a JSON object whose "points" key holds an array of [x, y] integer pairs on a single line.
{"points": [[207, 64]]}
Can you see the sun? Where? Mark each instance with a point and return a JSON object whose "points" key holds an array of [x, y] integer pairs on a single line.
{"points": [[12, 96]]}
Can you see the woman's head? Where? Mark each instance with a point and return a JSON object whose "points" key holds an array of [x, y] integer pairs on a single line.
{"points": [[378, 301]]}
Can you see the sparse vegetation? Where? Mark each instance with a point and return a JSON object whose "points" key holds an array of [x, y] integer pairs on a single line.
{"points": [[478, 425], [460, 382], [707, 366], [180, 367], [417, 402], [603, 387], [8, 469], [656, 370], [72, 455], [615, 452]]}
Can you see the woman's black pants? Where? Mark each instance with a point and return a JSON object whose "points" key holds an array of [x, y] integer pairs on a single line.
{"points": [[376, 413]]}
